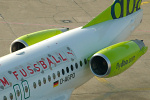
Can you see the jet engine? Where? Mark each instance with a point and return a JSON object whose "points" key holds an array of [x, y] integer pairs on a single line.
{"points": [[35, 37], [115, 59]]}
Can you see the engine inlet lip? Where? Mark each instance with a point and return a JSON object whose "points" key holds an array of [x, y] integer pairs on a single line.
{"points": [[18, 40], [108, 63]]}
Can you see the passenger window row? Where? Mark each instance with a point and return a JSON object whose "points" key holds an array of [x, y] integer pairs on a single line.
{"points": [[58, 73], [63, 71], [10, 95]]}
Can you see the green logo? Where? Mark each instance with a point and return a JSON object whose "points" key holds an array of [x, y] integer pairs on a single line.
{"points": [[125, 62]]}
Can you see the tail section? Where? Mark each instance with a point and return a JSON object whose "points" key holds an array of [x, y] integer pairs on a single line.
{"points": [[119, 9]]}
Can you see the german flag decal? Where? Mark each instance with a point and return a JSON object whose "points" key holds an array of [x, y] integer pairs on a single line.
{"points": [[56, 83]]}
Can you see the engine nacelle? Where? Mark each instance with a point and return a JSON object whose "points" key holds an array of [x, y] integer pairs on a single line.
{"points": [[32, 38], [115, 59]]}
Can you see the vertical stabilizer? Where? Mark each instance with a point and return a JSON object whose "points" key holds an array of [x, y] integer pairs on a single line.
{"points": [[119, 9]]}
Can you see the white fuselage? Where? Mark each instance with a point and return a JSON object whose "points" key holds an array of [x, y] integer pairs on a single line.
{"points": [[26, 73]]}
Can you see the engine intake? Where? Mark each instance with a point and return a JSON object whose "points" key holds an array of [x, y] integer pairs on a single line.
{"points": [[115, 59], [17, 45], [100, 65]]}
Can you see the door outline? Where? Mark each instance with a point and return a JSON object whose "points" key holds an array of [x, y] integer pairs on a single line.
{"points": [[19, 91], [24, 89]]}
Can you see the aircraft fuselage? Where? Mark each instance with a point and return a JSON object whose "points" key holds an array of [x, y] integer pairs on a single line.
{"points": [[61, 62]]}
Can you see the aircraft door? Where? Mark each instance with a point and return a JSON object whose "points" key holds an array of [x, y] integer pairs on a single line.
{"points": [[26, 89], [17, 91]]}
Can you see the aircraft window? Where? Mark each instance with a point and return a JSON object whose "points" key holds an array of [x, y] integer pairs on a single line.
{"points": [[67, 69], [18, 93], [54, 76], [85, 61], [43, 59], [34, 85], [11, 96], [63, 72], [49, 78], [44, 80], [38, 63], [58, 74], [49, 55], [26, 89], [2, 87], [76, 65], [72, 67], [4, 98], [81, 63], [39, 82]]}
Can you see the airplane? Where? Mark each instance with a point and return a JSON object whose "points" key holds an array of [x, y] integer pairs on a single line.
{"points": [[50, 64]]}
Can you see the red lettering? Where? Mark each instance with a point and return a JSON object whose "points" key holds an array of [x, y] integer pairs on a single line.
{"points": [[32, 71], [43, 64], [57, 61], [64, 59], [15, 74], [24, 74], [49, 61], [37, 68], [70, 53], [4, 81]]}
